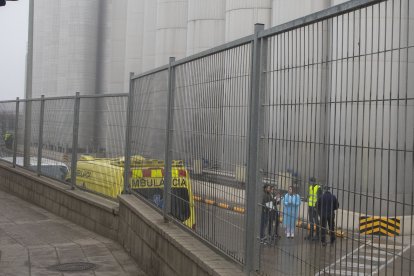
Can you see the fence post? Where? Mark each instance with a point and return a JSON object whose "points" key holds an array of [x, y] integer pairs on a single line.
{"points": [[254, 177], [168, 144], [16, 127], [27, 133], [40, 145], [128, 132], [75, 137]]}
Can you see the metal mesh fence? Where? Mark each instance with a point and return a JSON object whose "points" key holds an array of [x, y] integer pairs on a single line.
{"points": [[101, 144], [338, 106], [148, 135], [32, 129], [7, 130], [149, 120], [210, 114], [102, 127], [332, 97], [57, 138], [21, 125]]}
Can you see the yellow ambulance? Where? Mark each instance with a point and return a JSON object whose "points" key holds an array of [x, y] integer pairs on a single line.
{"points": [[106, 176]]}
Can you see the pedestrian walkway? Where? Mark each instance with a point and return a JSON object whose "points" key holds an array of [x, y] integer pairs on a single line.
{"points": [[35, 242]]}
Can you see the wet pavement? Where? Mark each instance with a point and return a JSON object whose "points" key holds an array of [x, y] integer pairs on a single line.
{"points": [[34, 241], [358, 255], [352, 255]]}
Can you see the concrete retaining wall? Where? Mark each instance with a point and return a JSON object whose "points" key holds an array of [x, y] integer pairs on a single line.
{"points": [[163, 248], [159, 248], [88, 210]]}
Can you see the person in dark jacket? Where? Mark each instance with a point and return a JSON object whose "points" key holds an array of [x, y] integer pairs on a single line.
{"points": [[327, 204], [266, 206], [274, 214]]}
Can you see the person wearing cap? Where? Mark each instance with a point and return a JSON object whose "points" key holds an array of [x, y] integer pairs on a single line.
{"points": [[326, 205], [314, 192]]}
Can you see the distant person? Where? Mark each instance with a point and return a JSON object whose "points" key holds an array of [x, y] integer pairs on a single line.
{"points": [[291, 203], [266, 206], [8, 140], [327, 204], [274, 214], [314, 192]]}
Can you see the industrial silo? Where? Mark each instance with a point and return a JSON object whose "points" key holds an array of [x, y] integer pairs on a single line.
{"points": [[241, 15], [45, 48], [286, 10], [118, 45], [150, 27], [206, 25], [240, 19], [78, 43], [171, 33], [134, 39]]}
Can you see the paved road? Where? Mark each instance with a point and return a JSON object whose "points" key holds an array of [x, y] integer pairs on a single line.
{"points": [[371, 256], [32, 240], [358, 255]]}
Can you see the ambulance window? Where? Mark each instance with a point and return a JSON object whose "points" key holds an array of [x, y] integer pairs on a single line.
{"points": [[154, 195], [55, 171], [180, 202]]}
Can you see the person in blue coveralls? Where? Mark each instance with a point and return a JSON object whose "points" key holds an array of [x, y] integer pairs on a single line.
{"points": [[291, 203]]}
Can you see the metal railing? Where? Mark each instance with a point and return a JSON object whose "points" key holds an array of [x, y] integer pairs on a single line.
{"points": [[328, 96]]}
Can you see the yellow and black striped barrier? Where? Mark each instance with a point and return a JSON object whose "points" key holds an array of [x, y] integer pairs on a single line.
{"points": [[379, 225]]}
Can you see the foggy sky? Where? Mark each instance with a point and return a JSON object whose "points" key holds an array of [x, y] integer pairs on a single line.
{"points": [[13, 45]]}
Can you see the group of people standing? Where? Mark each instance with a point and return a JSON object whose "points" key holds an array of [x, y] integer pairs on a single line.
{"points": [[271, 216], [321, 212]]}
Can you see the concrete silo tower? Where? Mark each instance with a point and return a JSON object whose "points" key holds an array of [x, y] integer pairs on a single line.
{"points": [[149, 35], [241, 15], [206, 24], [171, 33], [286, 10]]}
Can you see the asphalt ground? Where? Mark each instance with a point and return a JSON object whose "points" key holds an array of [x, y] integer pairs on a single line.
{"points": [[365, 255], [352, 255], [34, 241]]}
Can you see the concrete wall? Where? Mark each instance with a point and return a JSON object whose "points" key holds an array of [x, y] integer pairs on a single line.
{"points": [[159, 248], [90, 211], [164, 248]]}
